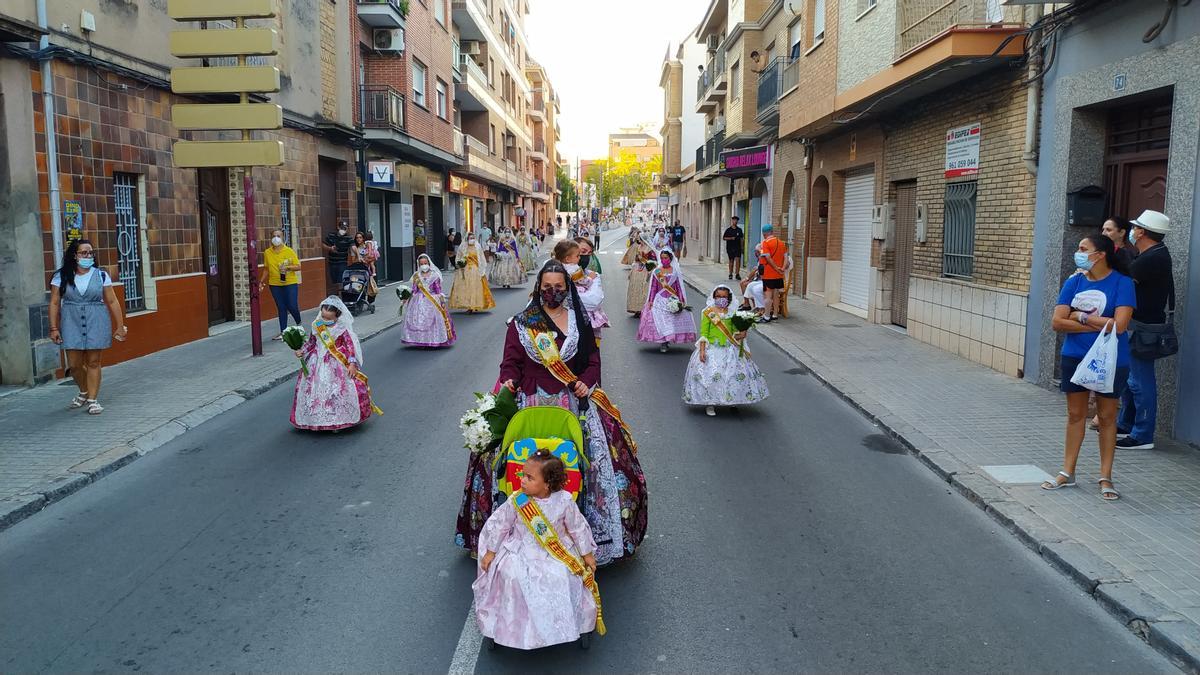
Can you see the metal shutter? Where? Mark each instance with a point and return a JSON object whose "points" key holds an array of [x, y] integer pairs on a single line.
{"points": [[856, 238]]}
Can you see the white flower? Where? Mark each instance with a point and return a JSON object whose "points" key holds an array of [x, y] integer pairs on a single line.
{"points": [[675, 306], [486, 403]]}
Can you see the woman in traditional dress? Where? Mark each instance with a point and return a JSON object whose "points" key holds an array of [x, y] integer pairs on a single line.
{"points": [[635, 235], [470, 290], [589, 284], [665, 317], [638, 287], [333, 394], [427, 322], [661, 240], [615, 490], [529, 250], [721, 371], [506, 270]]}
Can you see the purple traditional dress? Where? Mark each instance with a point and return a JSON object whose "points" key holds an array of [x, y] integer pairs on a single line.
{"points": [[528, 599], [327, 398], [506, 270], [663, 319], [427, 321]]}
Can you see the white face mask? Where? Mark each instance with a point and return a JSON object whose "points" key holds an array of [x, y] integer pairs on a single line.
{"points": [[277, 241], [342, 232], [424, 267], [571, 268]]}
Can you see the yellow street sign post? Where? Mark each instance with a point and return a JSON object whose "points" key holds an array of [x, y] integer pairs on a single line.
{"points": [[243, 80]]}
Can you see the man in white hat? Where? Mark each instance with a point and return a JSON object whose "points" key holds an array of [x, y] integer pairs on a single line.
{"points": [[1155, 287]]}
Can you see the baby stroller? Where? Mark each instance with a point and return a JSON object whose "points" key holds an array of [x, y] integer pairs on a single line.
{"points": [[356, 287], [542, 427]]}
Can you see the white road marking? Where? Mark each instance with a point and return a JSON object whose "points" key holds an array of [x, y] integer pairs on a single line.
{"points": [[469, 643]]}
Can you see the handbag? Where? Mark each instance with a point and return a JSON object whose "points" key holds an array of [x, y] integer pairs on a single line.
{"points": [[1150, 341], [1098, 368]]}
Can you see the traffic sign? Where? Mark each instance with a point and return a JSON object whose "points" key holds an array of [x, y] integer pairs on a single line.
{"points": [[206, 10]]}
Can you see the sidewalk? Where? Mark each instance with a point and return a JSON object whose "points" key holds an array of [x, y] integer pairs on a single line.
{"points": [[50, 452], [977, 428]]}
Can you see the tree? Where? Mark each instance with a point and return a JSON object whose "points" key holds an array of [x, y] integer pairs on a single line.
{"points": [[568, 199]]}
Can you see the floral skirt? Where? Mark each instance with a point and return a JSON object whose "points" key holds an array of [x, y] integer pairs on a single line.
{"points": [[614, 500], [638, 289], [725, 378], [506, 271]]}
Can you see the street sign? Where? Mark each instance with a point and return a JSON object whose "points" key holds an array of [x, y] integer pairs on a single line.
{"points": [[225, 80], [228, 42], [206, 10], [213, 154], [227, 116]]}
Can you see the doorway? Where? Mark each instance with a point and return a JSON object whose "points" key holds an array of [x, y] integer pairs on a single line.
{"points": [[1137, 146], [216, 236], [435, 230], [906, 235], [327, 200]]}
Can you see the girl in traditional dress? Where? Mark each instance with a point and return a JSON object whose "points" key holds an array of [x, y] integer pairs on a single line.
{"points": [[665, 318], [333, 394], [427, 322], [525, 596], [614, 501], [638, 287], [661, 240], [470, 290], [721, 371], [506, 270], [529, 250], [588, 283]]}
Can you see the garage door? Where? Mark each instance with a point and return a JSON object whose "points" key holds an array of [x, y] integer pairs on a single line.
{"points": [[856, 238]]}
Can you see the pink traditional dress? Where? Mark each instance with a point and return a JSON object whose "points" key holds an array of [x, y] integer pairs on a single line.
{"points": [[427, 321], [660, 323], [327, 398], [591, 292], [529, 599]]}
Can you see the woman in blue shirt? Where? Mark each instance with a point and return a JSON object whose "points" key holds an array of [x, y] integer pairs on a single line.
{"points": [[1088, 302]]}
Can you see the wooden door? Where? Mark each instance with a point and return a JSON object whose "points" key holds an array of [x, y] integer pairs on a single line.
{"points": [[906, 234], [1139, 139], [327, 200], [215, 237]]}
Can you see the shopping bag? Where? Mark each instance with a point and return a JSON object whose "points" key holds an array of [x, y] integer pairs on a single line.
{"points": [[1098, 368]]}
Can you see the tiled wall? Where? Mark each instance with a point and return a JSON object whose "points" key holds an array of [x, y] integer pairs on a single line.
{"points": [[985, 325]]}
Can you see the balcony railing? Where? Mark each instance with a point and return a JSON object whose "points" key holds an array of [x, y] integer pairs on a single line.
{"points": [[919, 21], [457, 62], [476, 146], [707, 154], [711, 75], [770, 83], [539, 146], [382, 13], [382, 107], [473, 69], [791, 77], [539, 185], [459, 142]]}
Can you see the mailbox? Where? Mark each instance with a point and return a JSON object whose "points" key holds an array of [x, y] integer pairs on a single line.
{"points": [[1086, 206]]}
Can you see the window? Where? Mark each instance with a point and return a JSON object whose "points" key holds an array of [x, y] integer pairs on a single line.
{"points": [[818, 21], [794, 33], [129, 239], [492, 72], [442, 100], [492, 140], [418, 83], [958, 245], [864, 5], [735, 80], [439, 11], [285, 216]]}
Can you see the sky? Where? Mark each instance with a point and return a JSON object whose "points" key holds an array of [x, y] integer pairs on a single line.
{"points": [[604, 58]]}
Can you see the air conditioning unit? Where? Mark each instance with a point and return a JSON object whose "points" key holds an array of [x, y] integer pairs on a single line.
{"points": [[388, 39], [510, 141], [714, 42], [470, 47]]}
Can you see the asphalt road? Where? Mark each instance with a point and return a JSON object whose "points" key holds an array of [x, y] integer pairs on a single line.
{"points": [[790, 536]]}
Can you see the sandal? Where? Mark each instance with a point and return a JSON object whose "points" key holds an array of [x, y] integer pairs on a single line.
{"points": [[94, 408], [1055, 485], [1108, 494], [78, 401]]}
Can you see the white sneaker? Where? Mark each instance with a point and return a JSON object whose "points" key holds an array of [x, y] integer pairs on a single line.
{"points": [[664, 347], [710, 411]]}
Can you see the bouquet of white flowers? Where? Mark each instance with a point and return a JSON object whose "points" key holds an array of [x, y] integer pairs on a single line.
{"points": [[293, 336], [674, 306], [743, 319], [483, 426], [405, 294]]}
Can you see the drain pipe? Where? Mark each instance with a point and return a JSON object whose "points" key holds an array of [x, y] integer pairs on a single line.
{"points": [[1033, 97], [51, 132]]}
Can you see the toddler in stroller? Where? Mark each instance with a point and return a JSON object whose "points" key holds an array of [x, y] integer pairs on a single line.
{"points": [[358, 289]]}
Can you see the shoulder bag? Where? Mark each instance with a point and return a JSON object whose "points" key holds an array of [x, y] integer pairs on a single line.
{"points": [[1150, 341]]}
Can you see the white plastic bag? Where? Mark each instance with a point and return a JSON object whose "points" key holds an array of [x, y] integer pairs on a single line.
{"points": [[1098, 368]]}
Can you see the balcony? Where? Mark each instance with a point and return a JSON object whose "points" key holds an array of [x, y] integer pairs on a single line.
{"points": [[459, 142], [711, 85], [382, 13], [708, 154], [456, 64], [539, 190], [919, 21], [471, 19], [537, 109], [381, 107], [770, 87], [791, 78], [538, 153]]}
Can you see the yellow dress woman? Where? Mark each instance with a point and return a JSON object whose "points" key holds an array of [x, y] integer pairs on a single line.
{"points": [[470, 291]]}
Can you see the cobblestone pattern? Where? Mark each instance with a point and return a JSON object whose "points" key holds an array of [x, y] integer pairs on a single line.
{"points": [[958, 416]]}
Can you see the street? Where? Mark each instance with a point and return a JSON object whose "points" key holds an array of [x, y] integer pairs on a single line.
{"points": [[785, 537]]}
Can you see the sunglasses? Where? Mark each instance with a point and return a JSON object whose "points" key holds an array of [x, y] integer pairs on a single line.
{"points": [[85, 254]]}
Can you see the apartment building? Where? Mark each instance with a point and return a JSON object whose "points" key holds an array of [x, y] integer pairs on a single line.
{"points": [[493, 98], [86, 133], [640, 144], [682, 130], [543, 157], [405, 59]]}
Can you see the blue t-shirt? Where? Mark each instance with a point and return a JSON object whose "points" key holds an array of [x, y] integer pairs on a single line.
{"points": [[1102, 297]]}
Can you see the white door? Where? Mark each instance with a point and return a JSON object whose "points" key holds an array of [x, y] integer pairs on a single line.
{"points": [[856, 238]]}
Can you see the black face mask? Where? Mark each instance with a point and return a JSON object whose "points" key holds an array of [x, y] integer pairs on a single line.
{"points": [[584, 260]]}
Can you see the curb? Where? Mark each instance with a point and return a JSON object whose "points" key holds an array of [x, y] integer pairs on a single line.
{"points": [[1171, 634], [15, 509]]}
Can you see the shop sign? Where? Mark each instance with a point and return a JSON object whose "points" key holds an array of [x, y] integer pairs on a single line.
{"points": [[73, 220], [463, 186], [746, 160], [962, 151], [435, 187], [741, 189], [381, 174]]}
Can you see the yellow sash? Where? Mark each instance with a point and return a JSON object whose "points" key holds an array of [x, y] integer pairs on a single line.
{"points": [[719, 323], [322, 333], [547, 349], [666, 285], [541, 529], [437, 305]]}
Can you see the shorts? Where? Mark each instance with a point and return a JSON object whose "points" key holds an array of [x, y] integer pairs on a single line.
{"points": [[776, 284], [1070, 363], [733, 253]]}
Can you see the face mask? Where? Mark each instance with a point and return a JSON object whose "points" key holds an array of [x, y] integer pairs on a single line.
{"points": [[86, 263], [277, 241], [721, 302], [425, 268], [554, 297], [323, 322], [1132, 239], [571, 268], [584, 260], [341, 233], [1083, 260], [665, 261]]}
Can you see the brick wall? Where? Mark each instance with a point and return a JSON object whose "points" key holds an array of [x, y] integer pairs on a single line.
{"points": [[1004, 207], [832, 157], [814, 98], [329, 84]]}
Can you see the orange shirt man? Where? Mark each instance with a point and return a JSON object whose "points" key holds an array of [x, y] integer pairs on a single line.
{"points": [[773, 259]]}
